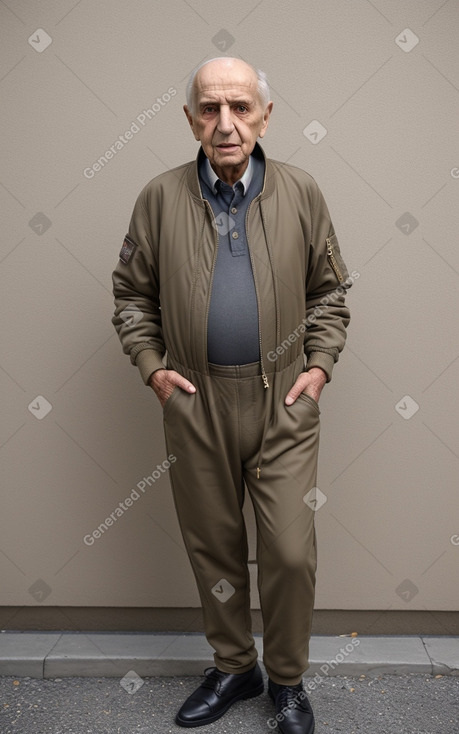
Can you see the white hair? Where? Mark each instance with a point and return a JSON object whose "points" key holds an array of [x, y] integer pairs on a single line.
{"points": [[263, 86]]}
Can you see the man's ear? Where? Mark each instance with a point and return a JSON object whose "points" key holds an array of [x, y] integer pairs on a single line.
{"points": [[266, 115], [189, 117]]}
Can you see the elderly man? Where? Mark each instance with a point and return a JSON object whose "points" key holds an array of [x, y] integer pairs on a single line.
{"points": [[231, 266]]}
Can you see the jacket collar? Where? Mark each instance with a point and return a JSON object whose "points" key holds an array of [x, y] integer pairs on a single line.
{"points": [[193, 176]]}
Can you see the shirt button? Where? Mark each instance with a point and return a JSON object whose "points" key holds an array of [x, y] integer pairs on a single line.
{"points": [[235, 235], [234, 210]]}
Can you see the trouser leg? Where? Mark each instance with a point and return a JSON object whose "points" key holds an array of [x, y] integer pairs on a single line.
{"points": [[286, 543], [208, 489]]}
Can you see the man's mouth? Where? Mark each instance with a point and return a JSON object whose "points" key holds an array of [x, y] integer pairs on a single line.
{"points": [[227, 146]]}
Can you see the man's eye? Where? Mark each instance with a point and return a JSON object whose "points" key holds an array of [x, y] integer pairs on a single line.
{"points": [[241, 108], [209, 109]]}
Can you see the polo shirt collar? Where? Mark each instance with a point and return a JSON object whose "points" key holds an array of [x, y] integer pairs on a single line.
{"points": [[212, 178]]}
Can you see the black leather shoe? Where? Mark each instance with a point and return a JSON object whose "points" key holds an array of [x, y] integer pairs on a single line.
{"points": [[217, 693], [293, 710]]}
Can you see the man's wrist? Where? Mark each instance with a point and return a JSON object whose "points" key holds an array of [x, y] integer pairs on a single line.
{"points": [[148, 361], [323, 360], [319, 372], [150, 379]]}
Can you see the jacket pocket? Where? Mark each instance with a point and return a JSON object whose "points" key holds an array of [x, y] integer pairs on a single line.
{"points": [[334, 258]]}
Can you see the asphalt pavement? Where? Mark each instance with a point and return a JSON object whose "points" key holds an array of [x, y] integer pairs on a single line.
{"points": [[364, 704]]}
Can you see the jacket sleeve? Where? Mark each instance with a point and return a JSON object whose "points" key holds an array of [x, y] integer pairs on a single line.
{"points": [[327, 280], [137, 317]]}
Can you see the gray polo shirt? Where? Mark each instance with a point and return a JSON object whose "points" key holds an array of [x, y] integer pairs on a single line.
{"points": [[232, 327]]}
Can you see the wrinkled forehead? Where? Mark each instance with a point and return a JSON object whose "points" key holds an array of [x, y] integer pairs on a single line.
{"points": [[220, 83]]}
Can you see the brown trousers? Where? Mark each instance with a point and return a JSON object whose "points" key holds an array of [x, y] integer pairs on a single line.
{"points": [[217, 434]]}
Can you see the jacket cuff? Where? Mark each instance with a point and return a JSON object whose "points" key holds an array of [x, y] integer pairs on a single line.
{"points": [[148, 361], [323, 360]]}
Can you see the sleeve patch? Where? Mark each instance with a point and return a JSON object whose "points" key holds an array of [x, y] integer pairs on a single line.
{"points": [[127, 250]]}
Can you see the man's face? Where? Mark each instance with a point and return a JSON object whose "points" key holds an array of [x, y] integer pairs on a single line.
{"points": [[227, 116]]}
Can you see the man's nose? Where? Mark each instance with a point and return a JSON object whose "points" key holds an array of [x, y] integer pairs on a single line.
{"points": [[225, 123]]}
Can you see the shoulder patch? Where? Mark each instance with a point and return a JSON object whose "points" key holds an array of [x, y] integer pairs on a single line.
{"points": [[127, 250]]}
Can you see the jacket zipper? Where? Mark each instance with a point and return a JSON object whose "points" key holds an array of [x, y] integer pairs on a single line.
{"points": [[333, 261], [263, 373], [208, 206]]}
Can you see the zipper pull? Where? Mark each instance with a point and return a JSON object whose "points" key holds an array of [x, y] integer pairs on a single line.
{"points": [[332, 260], [265, 380], [258, 472]]}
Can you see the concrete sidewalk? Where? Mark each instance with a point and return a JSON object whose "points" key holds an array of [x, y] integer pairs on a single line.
{"points": [[98, 654]]}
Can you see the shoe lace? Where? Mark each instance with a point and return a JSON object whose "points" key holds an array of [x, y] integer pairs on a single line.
{"points": [[213, 676], [289, 695]]}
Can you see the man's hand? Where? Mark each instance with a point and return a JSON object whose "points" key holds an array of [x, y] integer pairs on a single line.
{"points": [[165, 381], [310, 382]]}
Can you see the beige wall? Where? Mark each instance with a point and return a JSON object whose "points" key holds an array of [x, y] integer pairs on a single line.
{"points": [[391, 147]]}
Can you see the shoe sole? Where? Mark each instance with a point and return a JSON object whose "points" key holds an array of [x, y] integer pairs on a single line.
{"points": [[278, 723], [209, 719]]}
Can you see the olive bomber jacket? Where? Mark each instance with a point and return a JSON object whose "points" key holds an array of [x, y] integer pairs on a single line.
{"points": [[162, 282]]}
